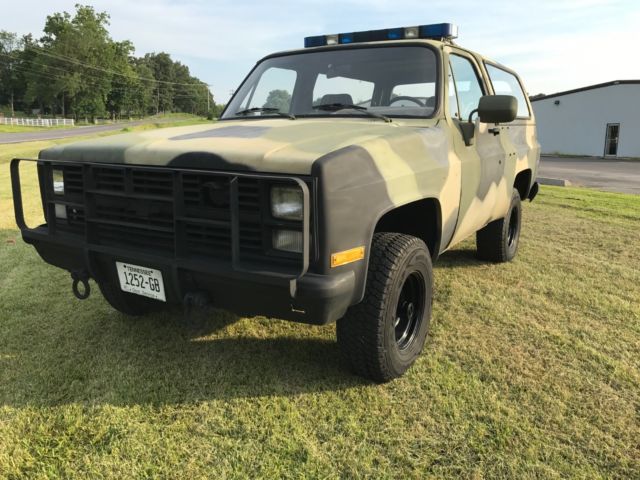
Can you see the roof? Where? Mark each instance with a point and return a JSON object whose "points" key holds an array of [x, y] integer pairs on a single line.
{"points": [[584, 89]]}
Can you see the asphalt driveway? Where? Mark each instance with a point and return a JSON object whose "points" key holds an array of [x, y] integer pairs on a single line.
{"points": [[612, 175]]}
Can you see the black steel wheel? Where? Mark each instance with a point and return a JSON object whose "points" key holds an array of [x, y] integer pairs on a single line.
{"points": [[513, 230], [381, 337], [498, 241], [409, 310]]}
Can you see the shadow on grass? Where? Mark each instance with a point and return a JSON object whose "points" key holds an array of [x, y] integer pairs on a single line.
{"points": [[108, 359], [54, 351], [464, 257]]}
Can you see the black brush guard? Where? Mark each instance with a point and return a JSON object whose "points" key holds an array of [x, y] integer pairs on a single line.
{"points": [[238, 269]]}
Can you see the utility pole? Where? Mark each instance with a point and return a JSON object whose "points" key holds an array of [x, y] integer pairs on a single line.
{"points": [[158, 100], [206, 87]]}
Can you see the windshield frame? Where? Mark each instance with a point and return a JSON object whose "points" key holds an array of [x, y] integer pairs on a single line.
{"points": [[353, 46]]}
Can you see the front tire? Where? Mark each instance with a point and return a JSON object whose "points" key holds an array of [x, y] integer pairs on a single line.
{"points": [[498, 241], [381, 337]]}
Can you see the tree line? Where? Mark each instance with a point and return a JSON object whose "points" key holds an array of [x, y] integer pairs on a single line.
{"points": [[77, 70]]}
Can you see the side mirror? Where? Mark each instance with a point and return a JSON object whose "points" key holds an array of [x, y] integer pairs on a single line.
{"points": [[497, 109], [491, 109]]}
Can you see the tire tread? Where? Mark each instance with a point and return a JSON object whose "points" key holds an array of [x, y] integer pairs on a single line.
{"points": [[361, 343]]}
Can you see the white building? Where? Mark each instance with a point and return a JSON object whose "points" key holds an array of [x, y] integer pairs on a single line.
{"points": [[599, 120]]}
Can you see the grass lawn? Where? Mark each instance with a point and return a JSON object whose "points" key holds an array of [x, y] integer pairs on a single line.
{"points": [[532, 370]]}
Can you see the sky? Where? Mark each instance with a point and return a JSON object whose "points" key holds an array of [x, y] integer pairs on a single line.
{"points": [[554, 45]]}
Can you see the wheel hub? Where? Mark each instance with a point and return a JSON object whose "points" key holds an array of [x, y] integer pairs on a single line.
{"points": [[409, 310], [513, 228]]}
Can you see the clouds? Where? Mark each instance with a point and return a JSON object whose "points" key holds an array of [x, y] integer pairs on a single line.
{"points": [[554, 45]]}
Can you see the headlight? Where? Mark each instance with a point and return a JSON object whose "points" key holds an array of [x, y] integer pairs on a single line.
{"points": [[58, 182], [286, 203], [287, 240], [61, 211]]}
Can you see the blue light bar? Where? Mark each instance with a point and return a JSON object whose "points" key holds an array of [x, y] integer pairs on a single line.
{"points": [[345, 38], [318, 41], [439, 30], [436, 31], [395, 33]]}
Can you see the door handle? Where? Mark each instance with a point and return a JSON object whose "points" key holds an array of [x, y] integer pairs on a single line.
{"points": [[495, 131]]}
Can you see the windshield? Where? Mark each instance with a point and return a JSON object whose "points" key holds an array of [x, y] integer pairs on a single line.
{"points": [[390, 81]]}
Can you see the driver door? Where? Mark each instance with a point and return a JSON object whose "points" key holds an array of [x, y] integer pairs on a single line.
{"points": [[482, 164]]}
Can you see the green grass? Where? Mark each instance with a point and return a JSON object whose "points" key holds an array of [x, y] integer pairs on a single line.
{"points": [[532, 370], [32, 204]]}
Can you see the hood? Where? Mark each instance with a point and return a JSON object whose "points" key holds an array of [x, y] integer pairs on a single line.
{"points": [[266, 145]]}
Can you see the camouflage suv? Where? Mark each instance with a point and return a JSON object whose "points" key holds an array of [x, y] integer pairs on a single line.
{"points": [[336, 176]]}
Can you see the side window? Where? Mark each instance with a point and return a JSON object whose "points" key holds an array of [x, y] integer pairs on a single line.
{"points": [[468, 86], [505, 83], [342, 90], [273, 90]]}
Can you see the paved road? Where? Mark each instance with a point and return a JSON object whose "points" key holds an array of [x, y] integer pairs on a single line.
{"points": [[47, 134], [611, 175]]}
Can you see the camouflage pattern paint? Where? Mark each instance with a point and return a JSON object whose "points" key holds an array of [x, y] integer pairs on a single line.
{"points": [[365, 167]]}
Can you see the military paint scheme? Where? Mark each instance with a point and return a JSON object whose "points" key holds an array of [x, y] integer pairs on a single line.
{"points": [[336, 175]]}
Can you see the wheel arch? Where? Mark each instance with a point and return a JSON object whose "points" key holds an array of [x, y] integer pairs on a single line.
{"points": [[402, 219], [522, 183]]}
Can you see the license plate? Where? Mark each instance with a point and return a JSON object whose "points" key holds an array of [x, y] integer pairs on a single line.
{"points": [[141, 280]]}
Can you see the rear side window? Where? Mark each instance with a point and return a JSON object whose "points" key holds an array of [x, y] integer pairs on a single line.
{"points": [[505, 83]]}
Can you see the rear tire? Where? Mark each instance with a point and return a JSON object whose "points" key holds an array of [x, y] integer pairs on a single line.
{"points": [[498, 241], [127, 303], [381, 337]]}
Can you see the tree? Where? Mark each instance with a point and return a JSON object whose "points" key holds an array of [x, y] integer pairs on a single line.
{"points": [[143, 101], [125, 84], [10, 47], [163, 71], [76, 68], [83, 45], [280, 99]]}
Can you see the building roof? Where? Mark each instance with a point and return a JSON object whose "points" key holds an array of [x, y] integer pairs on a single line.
{"points": [[583, 89]]}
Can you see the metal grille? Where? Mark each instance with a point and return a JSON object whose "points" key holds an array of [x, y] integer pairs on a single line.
{"points": [[170, 213], [73, 194]]}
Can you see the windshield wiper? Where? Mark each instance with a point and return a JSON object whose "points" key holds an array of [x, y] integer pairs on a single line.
{"points": [[334, 107], [265, 110]]}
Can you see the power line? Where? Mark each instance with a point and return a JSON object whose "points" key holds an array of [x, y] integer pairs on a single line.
{"points": [[43, 70], [94, 74], [21, 67], [77, 62], [133, 89]]}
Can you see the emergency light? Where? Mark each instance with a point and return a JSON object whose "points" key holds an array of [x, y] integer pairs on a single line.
{"points": [[437, 31]]}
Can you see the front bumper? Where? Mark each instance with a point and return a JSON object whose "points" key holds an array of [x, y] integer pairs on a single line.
{"points": [[318, 299], [155, 228]]}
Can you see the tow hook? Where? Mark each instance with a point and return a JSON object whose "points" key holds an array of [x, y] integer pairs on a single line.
{"points": [[82, 277], [198, 299]]}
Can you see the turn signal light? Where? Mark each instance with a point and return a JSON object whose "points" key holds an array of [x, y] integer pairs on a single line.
{"points": [[347, 256]]}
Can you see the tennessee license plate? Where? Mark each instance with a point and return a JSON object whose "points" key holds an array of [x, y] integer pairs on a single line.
{"points": [[141, 280]]}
